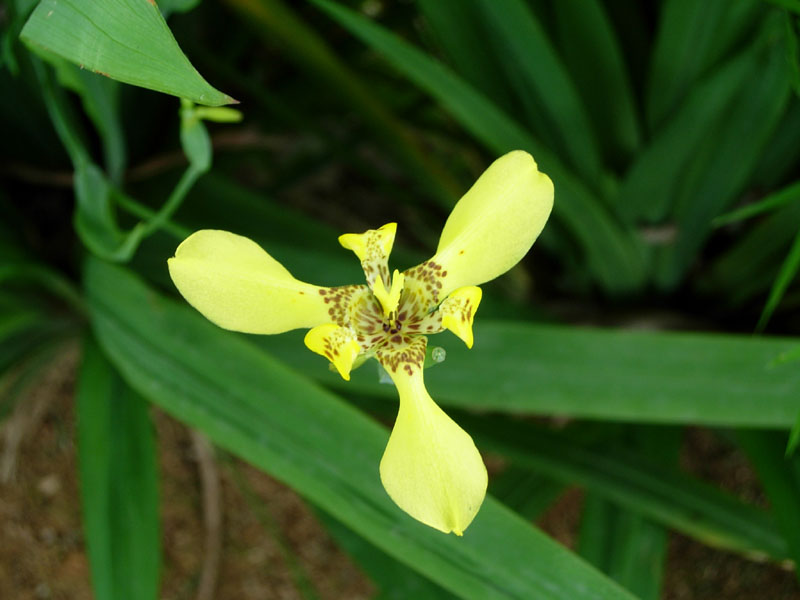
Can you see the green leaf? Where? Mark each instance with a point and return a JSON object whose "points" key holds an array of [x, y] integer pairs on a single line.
{"points": [[100, 98], [584, 30], [543, 85], [119, 483], [638, 484], [652, 182], [456, 25], [749, 267], [722, 172], [630, 548], [250, 404], [780, 477], [785, 276], [395, 580], [612, 253], [787, 195], [95, 221], [794, 438], [126, 40], [690, 378], [691, 37], [525, 492]]}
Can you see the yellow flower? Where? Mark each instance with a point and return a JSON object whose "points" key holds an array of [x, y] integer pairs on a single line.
{"points": [[431, 467]]}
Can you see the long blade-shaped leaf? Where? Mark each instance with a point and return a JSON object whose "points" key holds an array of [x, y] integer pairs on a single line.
{"points": [[780, 476], [691, 36], [250, 404], [640, 485], [612, 252], [127, 40], [585, 30], [119, 483], [725, 165], [786, 275], [750, 266], [656, 377], [542, 83]]}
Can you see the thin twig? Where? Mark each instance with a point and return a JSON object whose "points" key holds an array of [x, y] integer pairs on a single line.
{"points": [[212, 515]]}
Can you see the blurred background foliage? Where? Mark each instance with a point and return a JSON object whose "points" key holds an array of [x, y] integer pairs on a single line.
{"points": [[670, 130]]}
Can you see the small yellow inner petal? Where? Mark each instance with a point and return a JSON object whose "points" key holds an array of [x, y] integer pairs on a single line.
{"points": [[391, 299], [382, 238], [337, 344], [458, 312]]}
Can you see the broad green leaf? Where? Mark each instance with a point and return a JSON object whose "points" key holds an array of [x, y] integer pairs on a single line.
{"points": [[126, 40], [656, 377], [629, 547], [780, 476], [782, 153], [395, 580], [525, 492], [250, 404], [118, 470], [691, 37], [636, 483], [652, 182], [612, 252], [542, 84], [584, 30], [456, 25], [723, 168]]}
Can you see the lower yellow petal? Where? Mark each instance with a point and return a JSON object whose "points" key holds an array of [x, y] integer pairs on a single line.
{"points": [[234, 283], [458, 312], [431, 467], [337, 344]]}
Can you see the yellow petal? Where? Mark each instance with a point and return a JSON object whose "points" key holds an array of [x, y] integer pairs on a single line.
{"points": [[372, 248], [234, 283], [337, 344], [494, 224], [431, 467], [458, 312]]}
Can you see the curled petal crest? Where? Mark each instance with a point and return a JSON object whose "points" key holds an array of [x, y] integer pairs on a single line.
{"points": [[458, 312], [431, 467], [337, 344], [372, 248], [234, 283]]}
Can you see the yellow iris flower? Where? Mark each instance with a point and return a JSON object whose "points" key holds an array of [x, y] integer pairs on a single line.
{"points": [[431, 467]]}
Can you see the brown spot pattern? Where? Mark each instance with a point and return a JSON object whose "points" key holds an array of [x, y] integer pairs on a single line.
{"points": [[408, 353]]}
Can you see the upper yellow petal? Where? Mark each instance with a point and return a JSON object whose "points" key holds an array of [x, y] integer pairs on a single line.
{"points": [[431, 467], [234, 283], [372, 248], [495, 223]]}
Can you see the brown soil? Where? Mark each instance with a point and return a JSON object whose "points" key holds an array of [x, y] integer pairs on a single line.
{"points": [[41, 541]]}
